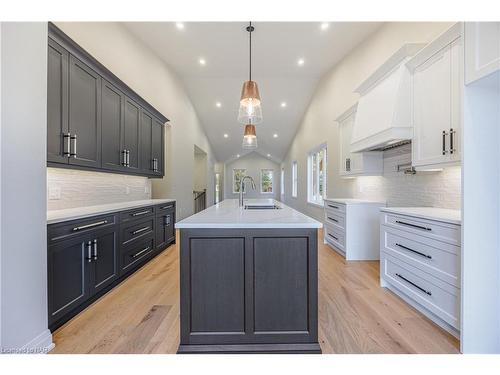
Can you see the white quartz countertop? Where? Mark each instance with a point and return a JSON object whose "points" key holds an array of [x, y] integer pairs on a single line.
{"points": [[432, 213], [57, 216], [228, 214], [347, 201]]}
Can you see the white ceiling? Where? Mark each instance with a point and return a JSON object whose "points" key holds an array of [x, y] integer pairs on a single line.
{"points": [[276, 48]]}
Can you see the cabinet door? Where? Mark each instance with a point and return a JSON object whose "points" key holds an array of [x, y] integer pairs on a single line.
{"points": [[131, 133], [456, 82], [432, 109], [165, 232], [157, 147], [84, 114], [345, 129], [104, 269], [67, 274], [146, 162], [57, 103], [482, 49], [112, 104]]}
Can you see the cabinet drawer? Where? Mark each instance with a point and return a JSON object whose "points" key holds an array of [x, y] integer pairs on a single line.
{"points": [[136, 254], [440, 259], [334, 236], [334, 207], [136, 229], [165, 207], [335, 219], [136, 213], [429, 228], [70, 229], [438, 297]]}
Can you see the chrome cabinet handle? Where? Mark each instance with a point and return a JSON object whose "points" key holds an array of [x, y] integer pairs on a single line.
{"points": [[140, 252], [140, 213], [124, 162], [73, 146], [335, 238], [167, 220], [90, 225], [333, 206], [67, 145], [414, 251], [140, 230], [89, 251], [165, 207], [128, 158], [413, 225], [332, 219], [452, 149], [94, 255], [413, 284]]}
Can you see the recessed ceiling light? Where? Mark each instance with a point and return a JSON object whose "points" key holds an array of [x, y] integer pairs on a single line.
{"points": [[238, 155], [202, 61], [268, 155], [226, 135], [283, 104], [275, 135], [300, 62], [324, 26], [218, 104], [179, 25]]}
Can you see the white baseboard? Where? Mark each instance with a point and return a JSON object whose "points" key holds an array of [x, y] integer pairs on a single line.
{"points": [[41, 344]]}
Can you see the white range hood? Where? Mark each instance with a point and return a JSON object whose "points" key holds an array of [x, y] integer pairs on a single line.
{"points": [[384, 108]]}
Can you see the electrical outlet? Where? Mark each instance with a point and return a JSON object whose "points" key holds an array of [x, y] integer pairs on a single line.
{"points": [[127, 190], [54, 193]]}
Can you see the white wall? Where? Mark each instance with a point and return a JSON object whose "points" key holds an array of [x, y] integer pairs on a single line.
{"points": [[253, 163], [23, 195], [333, 96], [141, 69], [85, 188]]}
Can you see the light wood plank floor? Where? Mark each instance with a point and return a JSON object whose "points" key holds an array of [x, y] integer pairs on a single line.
{"points": [[141, 315]]}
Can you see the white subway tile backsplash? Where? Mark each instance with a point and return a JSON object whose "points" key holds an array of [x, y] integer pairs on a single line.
{"points": [[83, 188]]}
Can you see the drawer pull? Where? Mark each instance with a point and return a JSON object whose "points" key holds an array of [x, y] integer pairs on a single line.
{"points": [[167, 207], [413, 284], [335, 238], [140, 230], [413, 225], [414, 251], [141, 213], [332, 219], [140, 252], [332, 206], [75, 229]]}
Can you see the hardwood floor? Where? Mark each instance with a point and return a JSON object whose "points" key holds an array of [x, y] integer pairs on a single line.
{"points": [[141, 315]]}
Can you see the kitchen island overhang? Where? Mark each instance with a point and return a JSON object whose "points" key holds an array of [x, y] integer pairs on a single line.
{"points": [[249, 281]]}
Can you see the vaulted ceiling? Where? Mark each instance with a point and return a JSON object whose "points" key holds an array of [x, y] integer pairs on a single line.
{"points": [[215, 86]]}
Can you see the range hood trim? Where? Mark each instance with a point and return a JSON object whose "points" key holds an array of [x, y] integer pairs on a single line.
{"points": [[381, 140]]}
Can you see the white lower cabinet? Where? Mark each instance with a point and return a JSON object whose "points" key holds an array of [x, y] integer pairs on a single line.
{"points": [[420, 261], [352, 228]]}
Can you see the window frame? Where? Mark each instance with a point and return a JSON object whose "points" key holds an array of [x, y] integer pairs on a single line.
{"points": [[272, 180], [313, 179], [233, 180], [295, 179], [282, 182]]}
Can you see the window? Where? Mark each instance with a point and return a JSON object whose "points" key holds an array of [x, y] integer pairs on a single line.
{"points": [[238, 174], [316, 175], [266, 181], [294, 179], [282, 181]]}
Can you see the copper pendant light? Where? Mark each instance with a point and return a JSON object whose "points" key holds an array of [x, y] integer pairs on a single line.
{"points": [[250, 137], [250, 111]]}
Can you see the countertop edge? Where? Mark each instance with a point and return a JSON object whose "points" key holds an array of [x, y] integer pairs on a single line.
{"points": [[399, 211]]}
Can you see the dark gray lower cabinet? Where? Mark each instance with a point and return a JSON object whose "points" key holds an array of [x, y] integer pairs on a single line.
{"points": [[165, 231], [249, 290], [88, 257]]}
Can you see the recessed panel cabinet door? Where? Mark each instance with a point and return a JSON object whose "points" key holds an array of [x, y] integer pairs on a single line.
{"points": [[146, 162], [157, 147], [165, 232], [57, 103], [68, 273], [112, 120], [84, 114], [131, 133], [105, 260]]}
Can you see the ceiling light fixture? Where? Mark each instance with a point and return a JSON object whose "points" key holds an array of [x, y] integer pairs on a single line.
{"points": [[275, 135], [324, 26], [283, 104], [237, 155], [250, 111], [268, 155], [179, 25], [202, 61], [218, 104], [250, 137], [226, 135], [300, 62]]}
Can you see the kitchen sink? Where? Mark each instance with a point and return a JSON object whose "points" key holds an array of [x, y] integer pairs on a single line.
{"points": [[262, 207]]}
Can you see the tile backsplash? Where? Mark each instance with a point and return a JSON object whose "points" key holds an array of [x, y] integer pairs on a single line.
{"points": [[437, 189], [68, 188]]}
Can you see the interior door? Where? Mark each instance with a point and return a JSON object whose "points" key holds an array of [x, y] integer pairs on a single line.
{"points": [[146, 162], [57, 103], [131, 133], [112, 104], [84, 114], [104, 269], [432, 109]]}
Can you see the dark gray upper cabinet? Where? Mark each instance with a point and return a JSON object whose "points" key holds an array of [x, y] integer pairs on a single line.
{"points": [[84, 114], [94, 120], [57, 103], [112, 117]]}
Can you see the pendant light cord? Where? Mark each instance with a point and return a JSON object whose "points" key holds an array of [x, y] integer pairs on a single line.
{"points": [[250, 50]]}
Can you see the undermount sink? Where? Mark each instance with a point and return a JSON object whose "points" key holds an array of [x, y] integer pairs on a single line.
{"points": [[262, 207]]}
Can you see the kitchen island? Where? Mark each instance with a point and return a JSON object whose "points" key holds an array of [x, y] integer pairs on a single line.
{"points": [[249, 279]]}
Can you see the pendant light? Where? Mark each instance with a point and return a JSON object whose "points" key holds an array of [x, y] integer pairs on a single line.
{"points": [[250, 111], [250, 137]]}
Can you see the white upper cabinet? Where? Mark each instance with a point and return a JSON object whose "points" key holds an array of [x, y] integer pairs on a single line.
{"points": [[482, 49], [437, 101], [360, 163]]}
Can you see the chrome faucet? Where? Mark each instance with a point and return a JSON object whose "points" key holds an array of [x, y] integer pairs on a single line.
{"points": [[242, 188]]}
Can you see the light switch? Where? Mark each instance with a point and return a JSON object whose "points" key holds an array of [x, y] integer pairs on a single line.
{"points": [[54, 192]]}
